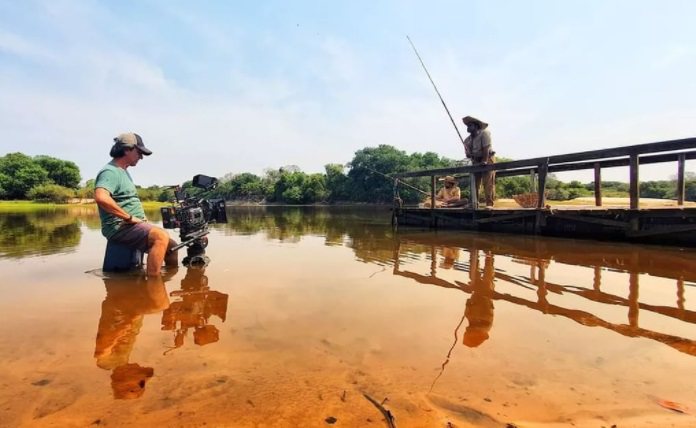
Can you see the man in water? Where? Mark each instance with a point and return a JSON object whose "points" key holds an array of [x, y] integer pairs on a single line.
{"points": [[478, 148], [120, 210]]}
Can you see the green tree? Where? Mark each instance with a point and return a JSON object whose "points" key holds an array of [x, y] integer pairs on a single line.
{"points": [[314, 188], [289, 186], [18, 174], [87, 191], [245, 186], [367, 170], [507, 187], [51, 193], [336, 182], [61, 172]]}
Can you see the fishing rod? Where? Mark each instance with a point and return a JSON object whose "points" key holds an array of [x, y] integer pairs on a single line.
{"points": [[398, 181], [438, 92]]}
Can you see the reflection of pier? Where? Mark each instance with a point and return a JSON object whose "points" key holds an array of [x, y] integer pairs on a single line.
{"points": [[538, 256]]}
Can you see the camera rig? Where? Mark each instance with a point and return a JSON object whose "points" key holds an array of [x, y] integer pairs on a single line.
{"points": [[192, 215]]}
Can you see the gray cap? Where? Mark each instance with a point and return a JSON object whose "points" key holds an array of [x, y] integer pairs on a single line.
{"points": [[130, 139]]}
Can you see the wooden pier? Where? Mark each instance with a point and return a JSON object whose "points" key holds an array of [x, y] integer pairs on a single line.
{"points": [[667, 226]]}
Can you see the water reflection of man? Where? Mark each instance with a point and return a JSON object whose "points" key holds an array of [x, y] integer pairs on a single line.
{"points": [[450, 255], [195, 305], [479, 307], [128, 299]]}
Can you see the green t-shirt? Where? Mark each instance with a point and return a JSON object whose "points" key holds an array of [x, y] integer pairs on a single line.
{"points": [[120, 184]]}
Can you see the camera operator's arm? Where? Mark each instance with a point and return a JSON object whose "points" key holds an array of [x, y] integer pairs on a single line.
{"points": [[103, 198]]}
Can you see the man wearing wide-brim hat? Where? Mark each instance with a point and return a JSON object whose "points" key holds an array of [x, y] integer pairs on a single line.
{"points": [[479, 149], [447, 196]]}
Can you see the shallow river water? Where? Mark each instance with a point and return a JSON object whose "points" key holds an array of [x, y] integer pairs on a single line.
{"points": [[317, 317]]}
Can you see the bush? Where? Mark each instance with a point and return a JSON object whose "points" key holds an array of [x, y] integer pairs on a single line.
{"points": [[51, 193]]}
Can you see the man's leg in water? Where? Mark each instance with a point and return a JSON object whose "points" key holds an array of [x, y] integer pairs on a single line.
{"points": [[159, 242]]}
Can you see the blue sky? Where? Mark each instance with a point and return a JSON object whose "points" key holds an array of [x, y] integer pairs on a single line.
{"points": [[230, 87]]}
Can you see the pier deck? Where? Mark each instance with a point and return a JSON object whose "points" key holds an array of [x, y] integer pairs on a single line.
{"points": [[675, 225], [664, 225]]}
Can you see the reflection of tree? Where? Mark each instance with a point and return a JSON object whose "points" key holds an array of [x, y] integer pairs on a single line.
{"points": [[195, 305], [38, 232], [362, 229], [128, 299]]}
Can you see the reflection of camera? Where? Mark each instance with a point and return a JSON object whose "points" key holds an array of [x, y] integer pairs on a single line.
{"points": [[192, 309], [192, 214]]}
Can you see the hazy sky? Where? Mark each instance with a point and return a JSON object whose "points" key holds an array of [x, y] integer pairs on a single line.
{"points": [[230, 86]]}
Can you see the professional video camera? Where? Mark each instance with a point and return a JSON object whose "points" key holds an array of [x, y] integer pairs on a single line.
{"points": [[192, 214]]}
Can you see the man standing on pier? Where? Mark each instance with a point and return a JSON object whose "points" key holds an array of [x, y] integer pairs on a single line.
{"points": [[479, 149]]}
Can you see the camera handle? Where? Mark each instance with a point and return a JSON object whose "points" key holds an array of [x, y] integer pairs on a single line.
{"points": [[195, 253], [190, 240]]}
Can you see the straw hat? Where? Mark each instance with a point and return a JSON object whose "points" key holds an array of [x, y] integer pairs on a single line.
{"points": [[470, 119]]}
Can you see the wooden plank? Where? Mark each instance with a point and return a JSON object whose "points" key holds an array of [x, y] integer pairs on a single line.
{"points": [[634, 184], [664, 230], [598, 184], [532, 180], [661, 146], [473, 192], [611, 163], [497, 218], [433, 192], [543, 172], [680, 178], [593, 220]]}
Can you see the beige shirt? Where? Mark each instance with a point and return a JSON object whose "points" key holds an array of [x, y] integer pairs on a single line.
{"points": [[474, 146], [446, 195]]}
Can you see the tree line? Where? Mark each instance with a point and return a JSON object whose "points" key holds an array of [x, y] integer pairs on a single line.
{"points": [[362, 180]]}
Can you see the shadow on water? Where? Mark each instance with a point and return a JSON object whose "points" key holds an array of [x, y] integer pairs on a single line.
{"points": [[129, 297]]}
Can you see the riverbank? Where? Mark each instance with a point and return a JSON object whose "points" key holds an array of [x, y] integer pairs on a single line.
{"points": [[8, 206]]}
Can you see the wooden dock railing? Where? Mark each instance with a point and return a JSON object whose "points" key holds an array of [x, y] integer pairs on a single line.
{"points": [[539, 168]]}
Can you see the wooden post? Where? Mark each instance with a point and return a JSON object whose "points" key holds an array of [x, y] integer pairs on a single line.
{"points": [[473, 191], [634, 189], [633, 305], [597, 184], [597, 279], [473, 264], [532, 181], [432, 192], [680, 294], [680, 178], [543, 172], [433, 261]]}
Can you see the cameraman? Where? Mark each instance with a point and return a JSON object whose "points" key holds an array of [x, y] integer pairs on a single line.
{"points": [[120, 210]]}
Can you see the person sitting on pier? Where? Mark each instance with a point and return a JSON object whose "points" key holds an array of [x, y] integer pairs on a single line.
{"points": [[449, 196], [479, 149]]}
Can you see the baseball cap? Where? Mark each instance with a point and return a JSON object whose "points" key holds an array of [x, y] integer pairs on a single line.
{"points": [[130, 139]]}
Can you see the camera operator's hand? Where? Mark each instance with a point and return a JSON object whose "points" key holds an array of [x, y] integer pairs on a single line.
{"points": [[133, 220]]}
